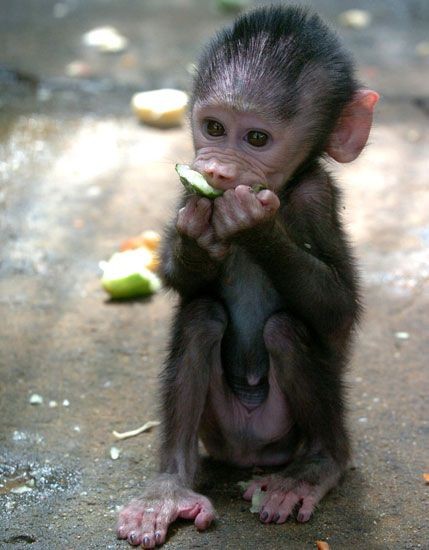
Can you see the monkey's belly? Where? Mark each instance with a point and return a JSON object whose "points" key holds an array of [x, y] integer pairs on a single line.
{"points": [[244, 436]]}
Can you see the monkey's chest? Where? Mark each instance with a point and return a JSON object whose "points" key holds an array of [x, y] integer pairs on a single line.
{"points": [[250, 299]]}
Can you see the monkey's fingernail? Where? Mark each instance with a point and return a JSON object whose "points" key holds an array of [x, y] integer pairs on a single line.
{"points": [[132, 537], [276, 518], [146, 541], [264, 516], [158, 536]]}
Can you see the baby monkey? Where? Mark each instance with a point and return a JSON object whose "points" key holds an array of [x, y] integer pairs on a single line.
{"points": [[268, 289]]}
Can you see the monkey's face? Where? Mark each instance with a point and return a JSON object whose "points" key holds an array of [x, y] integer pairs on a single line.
{"points": [[242, 148]]}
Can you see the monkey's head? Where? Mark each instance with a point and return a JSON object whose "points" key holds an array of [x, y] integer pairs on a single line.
{"points": [[271, 93]]}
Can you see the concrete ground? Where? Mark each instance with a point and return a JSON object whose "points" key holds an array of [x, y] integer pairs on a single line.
{"points": [[78, 175]]}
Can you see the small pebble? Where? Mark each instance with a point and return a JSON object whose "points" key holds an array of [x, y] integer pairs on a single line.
{"points": [[402, 335], [114, 453], [66, 403], [36, 399]]}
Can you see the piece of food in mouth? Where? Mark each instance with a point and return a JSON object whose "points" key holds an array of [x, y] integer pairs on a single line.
{"points": [[195, 183], [127, 274]]}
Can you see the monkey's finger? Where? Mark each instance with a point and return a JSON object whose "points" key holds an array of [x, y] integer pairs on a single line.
{"points": [[203, 212], [148, 528], [255, 484], [269, 200], [270, 507], [307, 508], [247, 198], [194, 207], [167, 514], [190, 204], [286, 507], [203, 205], [205, 517], [129, 525], [193, 226], [148, 541]]}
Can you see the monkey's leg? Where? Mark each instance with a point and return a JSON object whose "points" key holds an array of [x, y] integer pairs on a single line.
{"points": [[310, 376], [197, 334]]}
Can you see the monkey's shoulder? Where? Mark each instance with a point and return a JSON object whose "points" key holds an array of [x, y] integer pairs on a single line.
{"points": [[315, 193], [311, 215]]}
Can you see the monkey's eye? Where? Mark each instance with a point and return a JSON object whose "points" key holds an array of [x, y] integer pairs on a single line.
{"points": [[214, 128], [257, 138]]}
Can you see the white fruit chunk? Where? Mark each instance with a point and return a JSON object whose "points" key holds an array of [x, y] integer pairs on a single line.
{"points": [[161, 108]]}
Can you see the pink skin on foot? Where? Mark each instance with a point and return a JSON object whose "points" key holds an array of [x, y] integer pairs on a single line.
{"points": [[145, 522], [282, 496]]}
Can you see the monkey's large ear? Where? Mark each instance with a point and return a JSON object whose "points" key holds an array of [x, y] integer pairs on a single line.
{"points": [[351, 133]]}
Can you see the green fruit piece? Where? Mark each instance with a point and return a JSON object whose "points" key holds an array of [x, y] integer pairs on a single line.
{"points": [[257, 500], [195, 183], [258, 187], [124, 276]]}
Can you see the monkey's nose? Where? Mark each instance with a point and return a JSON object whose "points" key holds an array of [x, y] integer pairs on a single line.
{"points": [[221, 175]]}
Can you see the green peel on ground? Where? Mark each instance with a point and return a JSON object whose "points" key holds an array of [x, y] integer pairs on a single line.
{"points": [[124, 276]]}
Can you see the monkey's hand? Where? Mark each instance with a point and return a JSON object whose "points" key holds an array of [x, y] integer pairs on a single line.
{"points": [[145, 520], [241, 209], [193, 221]]}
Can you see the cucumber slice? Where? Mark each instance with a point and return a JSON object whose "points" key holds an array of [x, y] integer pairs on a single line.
{"points": [[194, 182], [124, 276]]}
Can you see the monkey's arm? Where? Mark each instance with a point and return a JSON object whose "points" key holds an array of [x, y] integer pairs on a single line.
{"points": [[320, 290], [302, 249], [191, 257], [185, 266]]}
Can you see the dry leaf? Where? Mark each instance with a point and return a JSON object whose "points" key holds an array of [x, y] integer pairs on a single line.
{"points": [[150, 424], [322, 545]]}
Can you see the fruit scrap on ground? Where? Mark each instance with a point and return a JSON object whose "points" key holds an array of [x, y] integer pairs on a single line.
{"points": [[130, 272]]}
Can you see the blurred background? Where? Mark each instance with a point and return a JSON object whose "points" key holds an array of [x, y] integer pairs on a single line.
{"points": [[80, 173]]}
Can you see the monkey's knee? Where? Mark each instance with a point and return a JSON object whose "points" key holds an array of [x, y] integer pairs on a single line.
{"points": [[283, 334], [203, 320]]}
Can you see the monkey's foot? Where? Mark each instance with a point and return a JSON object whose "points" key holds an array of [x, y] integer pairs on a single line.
{"points": [[145, 521], [284, 495]]}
